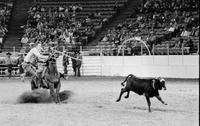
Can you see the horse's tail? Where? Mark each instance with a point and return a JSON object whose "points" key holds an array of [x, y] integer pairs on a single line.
{"points": [[130, 75]]}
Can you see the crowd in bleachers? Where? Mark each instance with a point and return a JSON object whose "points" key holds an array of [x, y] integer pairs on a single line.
{"points": [[5, 13], [52, 25], [158, 22], [63, 25]]}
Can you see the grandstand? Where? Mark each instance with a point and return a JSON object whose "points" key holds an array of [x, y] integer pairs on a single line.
{"points": [[102, 24], [100, 27], [96, 50]]}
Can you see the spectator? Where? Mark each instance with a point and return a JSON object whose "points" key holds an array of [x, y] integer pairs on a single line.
{"points": [[104, 39], [8, 61], [78, 64], [190, 44], [65, 62], [179, 43], [185, 33], [19, 62], [73, 59], [24, 40]]}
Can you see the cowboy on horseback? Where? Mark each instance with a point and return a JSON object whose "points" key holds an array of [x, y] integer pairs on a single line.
{"points": [[34, 59]]}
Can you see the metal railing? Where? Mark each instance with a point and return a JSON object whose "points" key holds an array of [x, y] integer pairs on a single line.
{"points": [[122, 51]]}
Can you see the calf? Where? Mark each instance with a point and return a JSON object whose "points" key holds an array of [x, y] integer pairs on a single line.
{"points": [[143, 86]]}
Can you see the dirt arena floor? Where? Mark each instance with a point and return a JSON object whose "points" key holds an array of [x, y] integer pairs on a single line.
{"points": [[93, 104]]}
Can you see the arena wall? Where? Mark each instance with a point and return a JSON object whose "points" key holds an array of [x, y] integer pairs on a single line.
{"points": [[171, 66]]}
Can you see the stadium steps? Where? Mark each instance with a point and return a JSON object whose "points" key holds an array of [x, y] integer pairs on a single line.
{"points": [[126, 11], [18, 18]]}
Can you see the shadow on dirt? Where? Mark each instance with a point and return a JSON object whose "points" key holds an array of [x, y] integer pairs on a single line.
{"points": [[162, 110]]}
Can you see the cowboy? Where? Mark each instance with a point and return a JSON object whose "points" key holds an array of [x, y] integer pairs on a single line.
{"points": [[31, 60]]}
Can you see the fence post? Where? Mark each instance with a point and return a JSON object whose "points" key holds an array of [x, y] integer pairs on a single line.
{"points": [[101, 53], [122, 50], [153, 50], [141, 49], [168, 50], [182, 53], [81, 49], [168, 53], [14, 50], [101, 60], [182, 49]]}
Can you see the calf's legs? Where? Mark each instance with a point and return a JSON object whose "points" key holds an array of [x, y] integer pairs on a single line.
{"points": [[148, 102], [121, 93], [128, 92], [160, 99]]}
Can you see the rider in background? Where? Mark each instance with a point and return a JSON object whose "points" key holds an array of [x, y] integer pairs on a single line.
{"points": [[31, 60]]}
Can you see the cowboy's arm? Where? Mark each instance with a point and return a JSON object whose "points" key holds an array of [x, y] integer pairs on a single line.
{"points": [[40, 56]]}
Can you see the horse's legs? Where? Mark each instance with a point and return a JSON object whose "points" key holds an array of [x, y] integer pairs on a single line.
{"points": [[52, 93], [57, 92], [32, 84]]}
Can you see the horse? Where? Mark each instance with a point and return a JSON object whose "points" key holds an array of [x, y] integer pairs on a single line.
{"points": [[50, 78]]}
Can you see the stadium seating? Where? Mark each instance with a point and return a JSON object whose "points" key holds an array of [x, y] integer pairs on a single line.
{"points": [[160, 23], [5, 13], [85, 17], [69, 24]]}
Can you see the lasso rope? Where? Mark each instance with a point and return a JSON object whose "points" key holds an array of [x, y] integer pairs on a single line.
{"points": [[68, 55]]}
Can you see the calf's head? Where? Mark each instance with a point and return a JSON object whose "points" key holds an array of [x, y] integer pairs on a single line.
{"points": [[159, 83]]}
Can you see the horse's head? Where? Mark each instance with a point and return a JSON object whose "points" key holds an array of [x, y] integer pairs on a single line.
{"points": [[52, 69], [51, 62]]}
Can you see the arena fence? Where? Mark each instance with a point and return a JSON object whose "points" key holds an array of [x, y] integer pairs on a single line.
{"points": [[139, 49], [97, 62], [169, 66]]}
